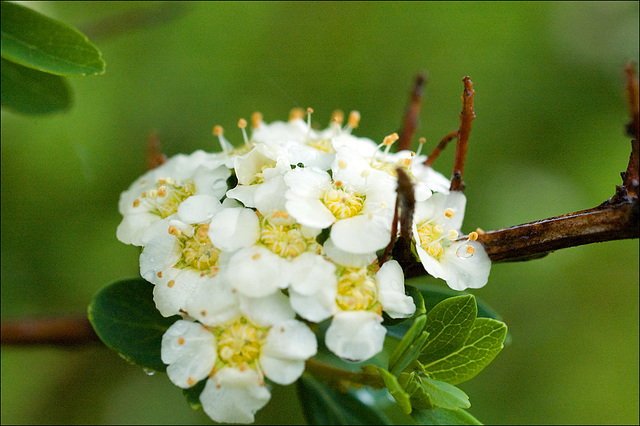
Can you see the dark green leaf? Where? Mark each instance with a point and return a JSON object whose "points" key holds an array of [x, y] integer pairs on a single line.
{"points": [[192, 394], [396, 390], [443, 394], [448, 324], [323, 405], [30, 91], [39, 42], [409, 338], [125, 317], [442, 416], [483, 344]]}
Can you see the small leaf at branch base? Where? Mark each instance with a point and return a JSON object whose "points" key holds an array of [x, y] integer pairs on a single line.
{"points": [[125, 317], [483, 344], [30, 91], [323, 405], [442, 416], [39, 42], [448, 324]]}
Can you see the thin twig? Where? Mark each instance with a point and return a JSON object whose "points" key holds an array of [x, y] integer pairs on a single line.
{"points": [[155, 157], [440, 147], [53, 330], [411, 114], [394, 233], [407, 202], [466, 117]]}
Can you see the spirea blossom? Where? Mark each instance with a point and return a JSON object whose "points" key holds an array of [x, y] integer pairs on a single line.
{"points": [[248, 244]]}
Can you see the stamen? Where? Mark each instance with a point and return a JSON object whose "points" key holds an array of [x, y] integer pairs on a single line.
{"points": [[354, 120], [173, 230], [171, 283], [337, 117], [309, 112], [242, 123], [136, 202], [256, 120], [452, 235], [224, 143], [473, 236], [295, 114], [449, 213]]}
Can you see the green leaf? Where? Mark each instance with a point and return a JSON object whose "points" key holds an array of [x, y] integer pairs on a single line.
{"points": [[192, 394], [443, 394], [483, 344], [403, 348], [29, 91], [396, 390], [323, 405], [125, 317], [39, 42], [442, 416], [448, 324]]}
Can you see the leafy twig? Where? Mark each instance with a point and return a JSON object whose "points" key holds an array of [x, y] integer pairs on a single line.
{"points": [[466, 117]]}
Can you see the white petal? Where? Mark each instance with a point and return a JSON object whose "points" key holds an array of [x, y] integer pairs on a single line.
{"points": [[190, 350], [267, 310], [198, 208], [256, 272], [310, 212], [174, 288], [311, 272], [213, 302], [234, 396], [288, 345], [316, 307], [308, 182], [232, 229], [346, 258], [211, 181], [362, 234], [395, 302], [466, 271], [355, 335]]}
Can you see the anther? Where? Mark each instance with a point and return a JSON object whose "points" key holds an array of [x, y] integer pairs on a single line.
{"points": [[218, 130], [162, 191], [171, 283], [354, 119], [449, 213], [342, 163], [203, 313], [256, 120], [143, 195], [452, 235], [136, 202], [389, 140], [159, 274], [338, 183], [242, 123], [224, 143], [191, 381], [337, 117], [473, 236], [296, 113], [470, 250], [181, 340], [173, 230], [256, 256]]}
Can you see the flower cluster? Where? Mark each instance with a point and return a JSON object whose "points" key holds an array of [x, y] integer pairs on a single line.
{"points": [[250, 244]]}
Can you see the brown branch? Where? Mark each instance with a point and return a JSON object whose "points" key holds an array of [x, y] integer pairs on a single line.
{"points": [[410, 121], [155, 157], [440, 147], [407, 202], [630, 180], [466, 117], [60, 331], [394, 233]]}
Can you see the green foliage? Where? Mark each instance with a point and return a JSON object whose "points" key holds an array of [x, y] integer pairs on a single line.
{"points": [[481, 346], [442, 416], [323, 405], [36, 51], [125, 318], [447, 346], [33, 92]]}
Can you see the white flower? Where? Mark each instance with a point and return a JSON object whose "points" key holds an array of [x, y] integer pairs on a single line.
{"points": [[358, 206], [436, 224], [158, 193], [236, 351], [355, 299], [178, 254]]}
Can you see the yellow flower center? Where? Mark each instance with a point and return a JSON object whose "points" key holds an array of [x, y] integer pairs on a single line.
{"points": [[357, 291], [342, 204], [240, 343], [197, 252], [285, 240], [166, 196], [323, 145], [431, 239]]}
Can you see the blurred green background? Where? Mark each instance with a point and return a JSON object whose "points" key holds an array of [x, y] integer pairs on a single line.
{"points": [[548, 139]]}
